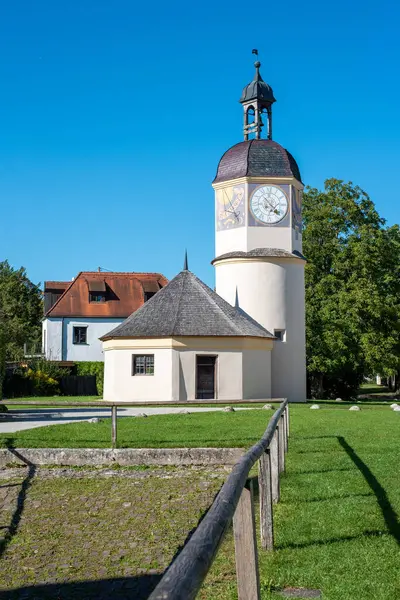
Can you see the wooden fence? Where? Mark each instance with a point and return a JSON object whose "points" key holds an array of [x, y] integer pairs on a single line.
{"points": [[183, 579]]}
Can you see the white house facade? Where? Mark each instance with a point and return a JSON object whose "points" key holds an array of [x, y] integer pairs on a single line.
{"points": [[75, 339]]}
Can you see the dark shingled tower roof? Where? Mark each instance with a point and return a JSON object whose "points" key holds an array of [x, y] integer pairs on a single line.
{"points": [[257, 158], [187, 307]]}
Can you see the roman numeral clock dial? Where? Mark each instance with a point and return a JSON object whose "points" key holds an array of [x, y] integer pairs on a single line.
{"points": [[269, 204]]}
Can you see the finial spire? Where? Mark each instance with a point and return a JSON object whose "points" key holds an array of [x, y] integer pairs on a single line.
{"points": [[185, 262], [237, 298]]}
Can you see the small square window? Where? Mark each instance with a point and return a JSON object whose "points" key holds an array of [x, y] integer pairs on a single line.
{"points": [[80, 335], [280, 334], [143, 364]]}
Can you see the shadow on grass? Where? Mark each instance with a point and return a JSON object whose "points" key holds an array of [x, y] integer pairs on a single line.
{"points": [[316, 471], [327, 498], [387, 509], [333, 540], [16, 517], [121, 588]]}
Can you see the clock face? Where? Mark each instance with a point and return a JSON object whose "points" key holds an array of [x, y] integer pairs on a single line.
{"points": [[269, 204]]}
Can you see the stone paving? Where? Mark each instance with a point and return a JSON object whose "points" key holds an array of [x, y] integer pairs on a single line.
{"points": [[96, 532]]}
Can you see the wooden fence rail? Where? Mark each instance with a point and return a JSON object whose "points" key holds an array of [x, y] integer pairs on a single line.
{"points": [[183, 579]]}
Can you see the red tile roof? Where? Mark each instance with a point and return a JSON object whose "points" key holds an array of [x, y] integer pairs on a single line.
{"points": [[56, 285], [125, 294]]}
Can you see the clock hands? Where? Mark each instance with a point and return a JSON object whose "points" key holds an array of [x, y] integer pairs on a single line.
{"points": [[272, 207]]}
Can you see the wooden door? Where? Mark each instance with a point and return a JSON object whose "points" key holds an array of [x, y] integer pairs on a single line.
{"points": [[205, 377]]}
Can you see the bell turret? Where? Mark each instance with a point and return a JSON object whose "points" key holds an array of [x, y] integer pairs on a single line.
{"points": [[257, 99]]}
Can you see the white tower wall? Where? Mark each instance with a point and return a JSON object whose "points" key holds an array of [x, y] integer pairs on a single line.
{"points": [[271, 291]]}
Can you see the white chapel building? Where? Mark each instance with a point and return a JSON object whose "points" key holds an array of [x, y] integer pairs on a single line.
{"points": [[246, 340]]}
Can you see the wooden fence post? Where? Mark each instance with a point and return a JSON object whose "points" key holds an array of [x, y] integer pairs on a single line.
{"points": [[281, 444], [287, 419], [265, 491], [274, 454], [286, 430], [244, 532], [114, 427]]}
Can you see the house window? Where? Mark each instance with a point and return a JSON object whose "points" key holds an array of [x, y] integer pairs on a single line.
{"points": [[97, 296], [143, 364], [280, 334], [80, 335]]}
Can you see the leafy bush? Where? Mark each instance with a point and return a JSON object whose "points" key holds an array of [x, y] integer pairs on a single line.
{"points": [[92, 368], [43, 384], [49, 367]]}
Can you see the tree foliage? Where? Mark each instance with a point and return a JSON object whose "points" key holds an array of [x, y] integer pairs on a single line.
{"points": [[21, 310], [352, 289]]}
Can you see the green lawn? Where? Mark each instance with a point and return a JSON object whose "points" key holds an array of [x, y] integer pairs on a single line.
{"points": [[337, 526], [237, 429], [54, 401], [213, 429]]}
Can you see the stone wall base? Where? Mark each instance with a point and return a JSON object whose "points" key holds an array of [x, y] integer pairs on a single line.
{"points": [[124, 457]]}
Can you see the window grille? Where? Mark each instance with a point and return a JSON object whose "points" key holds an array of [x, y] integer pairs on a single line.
{"points": [[80, 335], [143, 364]]}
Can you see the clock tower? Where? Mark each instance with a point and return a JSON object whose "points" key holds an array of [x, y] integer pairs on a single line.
{"points": [[259, 263]]}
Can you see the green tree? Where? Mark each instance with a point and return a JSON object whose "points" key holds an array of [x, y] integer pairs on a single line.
{"points": [[352, 289], [21, 309]]}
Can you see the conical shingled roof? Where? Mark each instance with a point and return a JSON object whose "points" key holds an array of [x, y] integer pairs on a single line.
{"points": [[187, 307]]}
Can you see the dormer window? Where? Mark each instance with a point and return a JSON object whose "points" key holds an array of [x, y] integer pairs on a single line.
{"points": [[149, 289], [97, 290]]}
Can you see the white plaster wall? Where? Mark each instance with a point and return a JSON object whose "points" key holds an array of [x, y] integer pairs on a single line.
{"points": [[269, 237], [93, 349], [121, 386], [230, 240], [229, 373], [52, 338], [272, 293], [256, 374]]}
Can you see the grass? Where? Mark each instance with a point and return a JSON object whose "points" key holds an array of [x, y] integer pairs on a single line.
{"points": [[237, 429], [48, 402], [213, 429], [337, 526]]}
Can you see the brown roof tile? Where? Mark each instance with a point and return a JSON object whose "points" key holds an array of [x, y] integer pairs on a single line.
{"points": [[125, 293], [56, 285]]}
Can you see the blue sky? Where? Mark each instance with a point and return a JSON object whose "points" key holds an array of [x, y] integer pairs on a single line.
{"points": [[113, 116]]}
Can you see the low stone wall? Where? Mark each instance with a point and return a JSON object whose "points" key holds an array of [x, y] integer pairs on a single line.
{"points": [[124, 457]]}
